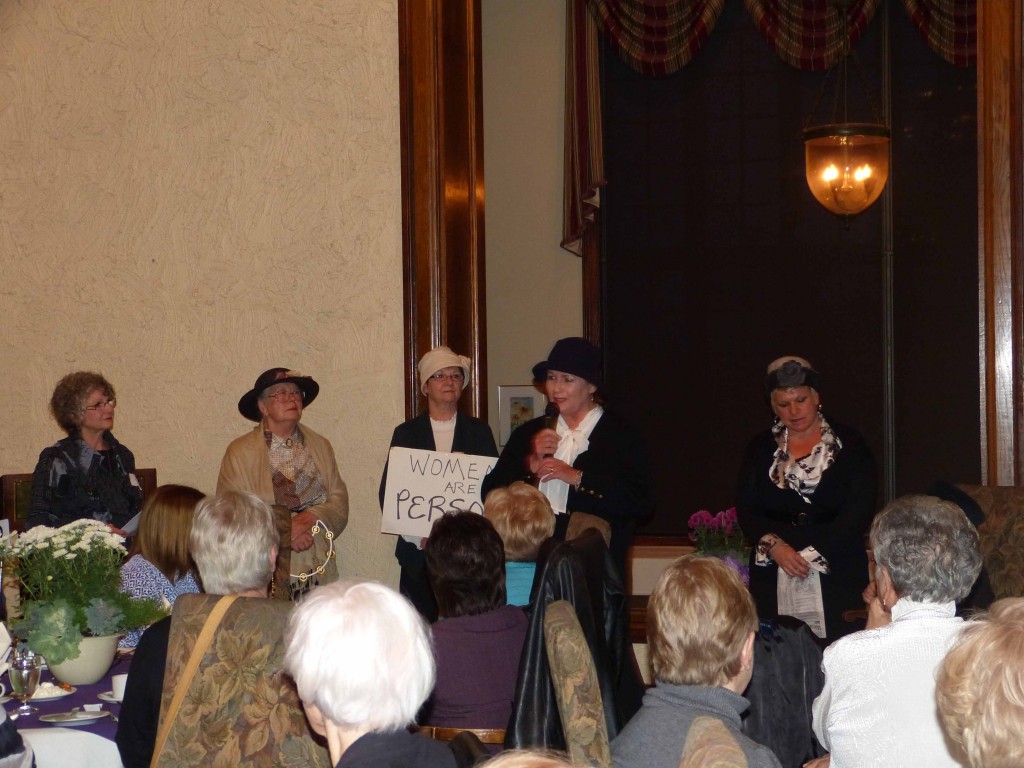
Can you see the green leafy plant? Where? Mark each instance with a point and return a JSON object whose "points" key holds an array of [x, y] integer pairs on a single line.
{"points": [[70, 587]]}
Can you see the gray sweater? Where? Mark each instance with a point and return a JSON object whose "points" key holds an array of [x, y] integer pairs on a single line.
{"points": [[654, 738]]}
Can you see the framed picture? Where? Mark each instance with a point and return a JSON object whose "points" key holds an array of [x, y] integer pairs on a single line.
{"points": [[517, 404]]}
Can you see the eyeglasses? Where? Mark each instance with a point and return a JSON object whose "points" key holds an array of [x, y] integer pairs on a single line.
{"points": [[441, 376], [103, 404], [286, 394]]}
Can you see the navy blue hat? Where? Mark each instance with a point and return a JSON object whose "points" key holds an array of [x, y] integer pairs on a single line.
{"points": [[574, 355]]}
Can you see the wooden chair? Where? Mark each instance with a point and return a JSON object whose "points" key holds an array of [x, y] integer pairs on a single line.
{"points": [[17, 494], [484, 735], [577, 690]]}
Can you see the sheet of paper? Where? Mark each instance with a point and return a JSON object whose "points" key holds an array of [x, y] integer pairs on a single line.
{"points": [[423, 485], [132, 525], [801, 598]]}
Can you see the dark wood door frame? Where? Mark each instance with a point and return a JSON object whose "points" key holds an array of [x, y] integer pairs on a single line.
{"points": [[442, 188], [443, 230]]}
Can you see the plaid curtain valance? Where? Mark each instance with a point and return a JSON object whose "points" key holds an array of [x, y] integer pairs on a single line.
{"points": [[808, 34], [656, 37], [949, 26]]}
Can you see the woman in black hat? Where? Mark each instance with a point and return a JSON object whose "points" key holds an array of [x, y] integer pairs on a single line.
{"points": [[588, 459], [806, 483], [290, 466]]}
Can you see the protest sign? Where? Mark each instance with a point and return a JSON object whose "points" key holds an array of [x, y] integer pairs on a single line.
{"points": [[423, 485]]}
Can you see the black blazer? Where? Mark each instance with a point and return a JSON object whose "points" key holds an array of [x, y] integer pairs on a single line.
{"points": [[472, 436], [840, 513], [615, 475]]}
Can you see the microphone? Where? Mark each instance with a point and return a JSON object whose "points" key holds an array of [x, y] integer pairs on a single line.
{"points": [[551, 421]]}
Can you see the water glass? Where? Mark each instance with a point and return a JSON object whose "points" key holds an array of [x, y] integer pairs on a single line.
{"points": [[24, 677]]}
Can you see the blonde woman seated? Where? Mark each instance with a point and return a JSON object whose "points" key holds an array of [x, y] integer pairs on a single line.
{"points": [[980, 688], [360, 657], [159, 563], [700, 629], [878, 704], [522, 516]]}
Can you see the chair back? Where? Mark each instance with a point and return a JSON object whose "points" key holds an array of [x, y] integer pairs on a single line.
{"points": [[582, 521], [16, 495], [709, 744], [1001, 536], [582, 572], [483, 735], [240, 708], [577, 690]]}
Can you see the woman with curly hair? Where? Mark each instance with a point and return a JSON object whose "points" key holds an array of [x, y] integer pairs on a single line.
{"points": [[88, 474]]}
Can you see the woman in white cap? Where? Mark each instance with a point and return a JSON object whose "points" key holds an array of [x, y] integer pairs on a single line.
{"points": [[292, 467], [443, 377]]}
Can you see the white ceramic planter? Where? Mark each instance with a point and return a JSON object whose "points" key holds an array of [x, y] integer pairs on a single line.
{"points": [[95, 655]]}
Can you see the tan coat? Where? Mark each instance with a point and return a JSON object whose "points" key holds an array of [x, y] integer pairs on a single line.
{"points": [[246, 467]]}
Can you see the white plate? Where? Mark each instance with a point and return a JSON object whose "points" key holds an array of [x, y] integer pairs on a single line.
{"points": [[52, 694], [79, 718], [108, 697], [42, 696]]}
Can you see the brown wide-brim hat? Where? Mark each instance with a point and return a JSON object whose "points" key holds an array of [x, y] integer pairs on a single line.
{"points": [[249, 407]]}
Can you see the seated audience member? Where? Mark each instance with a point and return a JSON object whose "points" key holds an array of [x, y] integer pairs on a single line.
{"points": [[478, 638], [523, 518], [14, 751], [360, 657], [159, 563], [878, 704], [980, 688], [234, 543], [700, 630]]}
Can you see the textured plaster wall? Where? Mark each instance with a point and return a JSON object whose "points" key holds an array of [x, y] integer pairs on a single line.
{"points": [[192, 192], [534, 288]]}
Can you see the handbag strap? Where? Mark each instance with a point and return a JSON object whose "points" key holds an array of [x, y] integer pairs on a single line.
{"points": [[198, 651]]}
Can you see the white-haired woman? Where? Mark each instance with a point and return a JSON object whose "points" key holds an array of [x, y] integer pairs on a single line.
{"points": [[361, 659], [806, 483], [234, 543], [878, 703], [980, 687], [443, 377]]}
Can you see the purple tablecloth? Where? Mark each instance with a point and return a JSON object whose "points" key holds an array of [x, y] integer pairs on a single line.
{"points": [[85, 694]]}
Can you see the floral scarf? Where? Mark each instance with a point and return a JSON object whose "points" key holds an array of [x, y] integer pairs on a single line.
{"points": [[297, 481], [803, 474]]}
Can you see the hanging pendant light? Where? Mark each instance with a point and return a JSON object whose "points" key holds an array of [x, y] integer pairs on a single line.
{"points": [[847, 163]]}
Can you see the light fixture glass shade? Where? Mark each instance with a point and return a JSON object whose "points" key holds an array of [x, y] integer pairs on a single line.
{"points": [[847, 165]]}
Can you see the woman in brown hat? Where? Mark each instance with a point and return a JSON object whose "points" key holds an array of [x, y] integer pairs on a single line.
{"points": [[588, 459], [290, 466], [441, 427]]}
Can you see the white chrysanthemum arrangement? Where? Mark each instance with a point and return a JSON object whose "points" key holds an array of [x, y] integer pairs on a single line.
{"points": [[70, 587]]}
